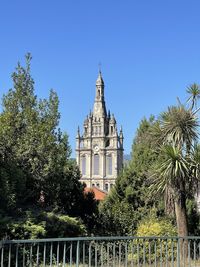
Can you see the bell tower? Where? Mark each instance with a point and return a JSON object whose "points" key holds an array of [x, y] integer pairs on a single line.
{"points": [[99, 149]]}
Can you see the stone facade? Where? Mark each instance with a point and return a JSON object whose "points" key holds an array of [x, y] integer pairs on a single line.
{"points": [[99, 150]]}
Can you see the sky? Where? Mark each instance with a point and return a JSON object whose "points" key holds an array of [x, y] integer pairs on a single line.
{"points": [[149, 53]]}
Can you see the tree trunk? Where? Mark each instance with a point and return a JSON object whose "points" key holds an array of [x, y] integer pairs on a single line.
{"points": [[181, 220], [169, 201], [181, 217]]}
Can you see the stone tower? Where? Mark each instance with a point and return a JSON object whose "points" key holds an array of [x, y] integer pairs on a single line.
{"points": [[99, 150]]}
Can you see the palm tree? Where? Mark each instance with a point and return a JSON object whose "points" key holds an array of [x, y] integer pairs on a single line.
{"points": [[194, 91], [171, 174], [176, 169], [179, 126]]}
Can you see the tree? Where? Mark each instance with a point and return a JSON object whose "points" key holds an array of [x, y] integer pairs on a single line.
{"points": [[194, 92], [30, 139], [176, 170], [129, 201], [12, 189]]}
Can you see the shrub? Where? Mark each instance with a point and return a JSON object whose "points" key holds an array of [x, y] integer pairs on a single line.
{"points": [[58, 225], [150, 249]]}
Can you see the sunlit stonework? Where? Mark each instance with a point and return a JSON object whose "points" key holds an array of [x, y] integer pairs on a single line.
{"points": [[99, 150]]}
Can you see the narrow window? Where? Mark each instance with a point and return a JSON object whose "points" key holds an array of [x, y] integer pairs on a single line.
{"points": [[81, 144], [109, 164], [83, 161], [106, 187], [96, 164], [111, 129]]}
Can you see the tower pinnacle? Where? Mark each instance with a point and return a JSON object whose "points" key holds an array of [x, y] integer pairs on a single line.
{"points": [[100, 80], [99, 104]]}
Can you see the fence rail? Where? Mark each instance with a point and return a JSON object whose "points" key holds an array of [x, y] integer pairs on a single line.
{"points": [[102, 251]]}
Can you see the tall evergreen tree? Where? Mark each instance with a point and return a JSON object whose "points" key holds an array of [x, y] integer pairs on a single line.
{"points": [[30, 137], [128, 201]]}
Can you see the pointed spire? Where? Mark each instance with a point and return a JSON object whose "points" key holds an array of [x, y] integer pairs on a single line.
{"points": [[99, 80], [99, 104], [113, 118], [78, 132], [121, 133]]}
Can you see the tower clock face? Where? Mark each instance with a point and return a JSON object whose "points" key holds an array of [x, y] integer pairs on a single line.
{"points": [[96, 148]]}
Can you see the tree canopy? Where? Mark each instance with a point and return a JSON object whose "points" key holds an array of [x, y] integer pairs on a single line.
{"points": [[36, 171]]}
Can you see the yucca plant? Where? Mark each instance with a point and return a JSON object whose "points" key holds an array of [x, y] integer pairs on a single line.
{"points": [[177, 170]]}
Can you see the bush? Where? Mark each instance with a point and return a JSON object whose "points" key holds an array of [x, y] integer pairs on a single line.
{"points": [[155, 248], [156, 227], [62, 226], [40, 225]]}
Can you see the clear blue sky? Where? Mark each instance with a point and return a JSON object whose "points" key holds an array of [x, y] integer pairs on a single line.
{"points": [[149, 50]]}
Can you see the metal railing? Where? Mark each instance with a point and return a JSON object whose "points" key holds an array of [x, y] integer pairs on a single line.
{"points": [[102, 251]]}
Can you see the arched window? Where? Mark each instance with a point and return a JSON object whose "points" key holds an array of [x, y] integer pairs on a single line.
{"points": [[106, 187], [109, 164], [83, 165], [97, 185], [81, 144], [96, 164], [111, 129]]}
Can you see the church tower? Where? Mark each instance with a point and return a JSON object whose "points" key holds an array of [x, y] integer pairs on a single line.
{"points": [[99, 150]]}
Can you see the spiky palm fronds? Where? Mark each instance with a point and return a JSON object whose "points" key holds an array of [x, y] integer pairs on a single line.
{"points": [[179, 126], [172, 170], [194, 91]]}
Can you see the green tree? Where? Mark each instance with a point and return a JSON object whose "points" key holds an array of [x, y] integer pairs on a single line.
{"points": [[12, 189], [194, 94], [176, 170], [30, 138], [129, 201]]}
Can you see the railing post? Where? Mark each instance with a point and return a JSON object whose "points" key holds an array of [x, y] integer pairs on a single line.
{"points": [[77, 254], [2, 248], [9, 256], [178, 252]]}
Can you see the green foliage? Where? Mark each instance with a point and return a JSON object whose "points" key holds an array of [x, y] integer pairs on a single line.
{"points": [[35, 169], [117, 218], [131, 199], [153, 226], [40, 224], [30, 138], [26, 230], [177, 171], [194, 93], [24, 227], [12, 189], [193, 216], [58, 225], [143, 148], [128, 201]]}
